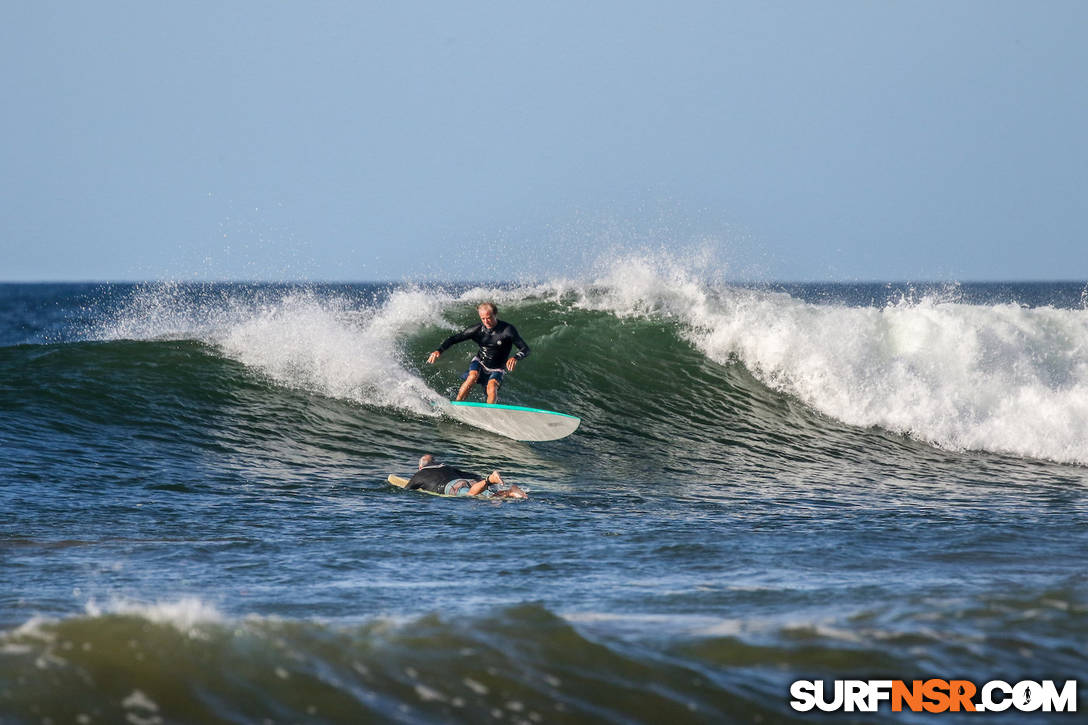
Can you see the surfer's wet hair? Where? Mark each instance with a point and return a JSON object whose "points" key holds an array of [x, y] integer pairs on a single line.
{"points": [[426, 460], [492, 305]]}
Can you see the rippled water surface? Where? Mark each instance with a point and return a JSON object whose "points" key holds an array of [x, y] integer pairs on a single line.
{"points": [[768, 484]]}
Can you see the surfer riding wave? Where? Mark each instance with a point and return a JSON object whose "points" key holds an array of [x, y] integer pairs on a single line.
{"points": [[495, 338]]}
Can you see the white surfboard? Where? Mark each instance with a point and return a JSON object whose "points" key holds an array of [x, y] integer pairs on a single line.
{"points": [[514, 421]]}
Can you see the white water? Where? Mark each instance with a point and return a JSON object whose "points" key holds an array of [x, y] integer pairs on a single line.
{"points": [[299, 339], [1000, 378], [322, 345]]}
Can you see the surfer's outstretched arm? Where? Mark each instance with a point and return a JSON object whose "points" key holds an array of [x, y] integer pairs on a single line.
{"points": [[479, 486], [523, 349], [466, 334], [521, 345]]}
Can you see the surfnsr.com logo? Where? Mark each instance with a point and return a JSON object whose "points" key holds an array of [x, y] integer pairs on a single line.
{"points": [[933, 696]]}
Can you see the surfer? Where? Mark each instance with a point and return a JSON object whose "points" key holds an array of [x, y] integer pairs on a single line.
{"points": [[495, 339], [440, 478]]}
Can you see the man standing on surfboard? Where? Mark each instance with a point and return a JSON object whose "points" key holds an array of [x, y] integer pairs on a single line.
{"points": [[495, 339]]}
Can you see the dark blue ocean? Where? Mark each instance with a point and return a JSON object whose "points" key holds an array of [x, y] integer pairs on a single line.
{"points": [[770, 483]]}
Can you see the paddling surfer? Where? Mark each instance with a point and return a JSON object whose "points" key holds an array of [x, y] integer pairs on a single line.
{"points": [[440, 478], [495, 339]]}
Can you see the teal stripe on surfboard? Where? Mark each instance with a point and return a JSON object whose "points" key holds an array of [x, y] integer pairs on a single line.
{"points": [[500, 406], [515, 421]]}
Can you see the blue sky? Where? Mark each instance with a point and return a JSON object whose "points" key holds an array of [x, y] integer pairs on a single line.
{"points": [[365, 141]]}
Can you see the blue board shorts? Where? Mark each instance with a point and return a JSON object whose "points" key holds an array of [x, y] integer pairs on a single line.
{"points": [[486, 374], [457, 487], [461, 486]]}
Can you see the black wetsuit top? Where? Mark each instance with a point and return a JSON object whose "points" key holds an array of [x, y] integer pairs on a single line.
{"points": [[494, 343], [434, 478]]}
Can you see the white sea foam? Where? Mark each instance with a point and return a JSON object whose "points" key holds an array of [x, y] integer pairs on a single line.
{"points": [[665, 624], [186, 614], [1002, 378], [298, 338], [325, 346]]}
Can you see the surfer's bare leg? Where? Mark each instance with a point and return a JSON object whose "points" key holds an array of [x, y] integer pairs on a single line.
{"points": [[467, 385], [492, 391]]}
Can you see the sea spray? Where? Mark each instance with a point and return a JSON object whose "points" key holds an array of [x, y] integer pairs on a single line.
{"points": [[998, 376], [328, 347], [333, 345], [1001, 377]]}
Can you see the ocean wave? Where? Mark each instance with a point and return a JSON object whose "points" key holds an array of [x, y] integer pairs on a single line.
{"points": [[999, 377], [184, 661], [523, 664], [335, 345]]}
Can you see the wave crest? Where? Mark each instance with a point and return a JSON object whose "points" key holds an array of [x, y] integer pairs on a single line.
{"points": [[1003, 377], [999, 377]]}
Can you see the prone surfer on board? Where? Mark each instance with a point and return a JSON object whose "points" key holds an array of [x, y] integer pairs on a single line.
{"points": [[495, 339], [439, 478]]}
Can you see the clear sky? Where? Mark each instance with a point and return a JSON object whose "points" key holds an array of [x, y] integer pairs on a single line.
{"points": [[345, 140]]}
